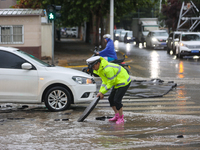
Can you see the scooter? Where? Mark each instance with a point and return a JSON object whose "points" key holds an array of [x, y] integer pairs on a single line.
{"points": [[118, 61]]}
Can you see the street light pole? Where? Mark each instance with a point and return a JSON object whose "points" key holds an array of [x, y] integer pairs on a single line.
{"points": [[112, 18]]}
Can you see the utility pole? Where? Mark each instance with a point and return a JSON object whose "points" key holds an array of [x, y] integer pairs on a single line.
{"points": [[112, 18]]}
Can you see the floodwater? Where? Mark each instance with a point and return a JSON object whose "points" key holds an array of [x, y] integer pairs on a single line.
{"points": [[37, 128]]}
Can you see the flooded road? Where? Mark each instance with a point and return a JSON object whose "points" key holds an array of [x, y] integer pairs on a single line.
{"points": [[168, 122], [37, 128]]}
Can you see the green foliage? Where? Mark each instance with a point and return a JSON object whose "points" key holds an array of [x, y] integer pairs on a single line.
{"points": [[75, 12]]}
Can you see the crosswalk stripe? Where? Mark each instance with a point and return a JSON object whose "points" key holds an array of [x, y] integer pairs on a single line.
{"points": [[161, 108], [153, 103], [149, 99], [174, 112]]}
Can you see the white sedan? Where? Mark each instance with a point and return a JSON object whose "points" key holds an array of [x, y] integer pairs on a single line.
{"points": [[26, 79]]}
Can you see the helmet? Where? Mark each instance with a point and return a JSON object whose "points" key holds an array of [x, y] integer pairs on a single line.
{"points": [[107, 36]]}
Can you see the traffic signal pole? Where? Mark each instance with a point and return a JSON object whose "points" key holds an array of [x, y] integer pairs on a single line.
{"points": [[52, 43], [52, 15]]}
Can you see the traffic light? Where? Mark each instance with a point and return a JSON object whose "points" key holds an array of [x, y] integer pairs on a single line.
{"points": [[52, 12]]}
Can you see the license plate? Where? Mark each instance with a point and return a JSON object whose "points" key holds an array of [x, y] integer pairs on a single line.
{"points": [[163, 43], [195, 51]]}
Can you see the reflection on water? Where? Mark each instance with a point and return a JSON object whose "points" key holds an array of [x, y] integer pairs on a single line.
{"points": [[116, 44], [128, 48], [181, 92], [154, 65], [181, 70]]}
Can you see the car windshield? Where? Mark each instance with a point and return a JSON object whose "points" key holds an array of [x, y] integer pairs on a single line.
{"points": [[34, 58], [160, 34], [118, 31], [176, 36], [191, 37], [123, 33], [130, 34]]}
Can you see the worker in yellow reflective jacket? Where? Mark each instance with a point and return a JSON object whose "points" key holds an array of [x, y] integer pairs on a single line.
{"points": [[113, 76]]}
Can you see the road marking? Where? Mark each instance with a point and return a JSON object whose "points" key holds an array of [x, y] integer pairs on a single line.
{"points": [[138, 67], [174, 112], [161, 108], [144, 104], [149, 99]]}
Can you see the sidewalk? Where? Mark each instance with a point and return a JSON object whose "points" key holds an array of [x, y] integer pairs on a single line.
{"points": [[71, 52]]}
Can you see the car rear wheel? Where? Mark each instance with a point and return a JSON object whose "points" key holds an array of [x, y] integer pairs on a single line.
{"points": [[57, 99], [168, 50]]}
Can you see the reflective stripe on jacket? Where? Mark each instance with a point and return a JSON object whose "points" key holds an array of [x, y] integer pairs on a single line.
{"points": [[112, 75]]}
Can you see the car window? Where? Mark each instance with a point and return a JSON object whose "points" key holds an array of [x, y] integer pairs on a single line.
{"points": [[34, 58], [9, 60]]}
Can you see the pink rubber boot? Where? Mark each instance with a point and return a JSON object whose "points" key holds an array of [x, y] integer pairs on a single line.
{"points": [[115, 117], [120, 119]]}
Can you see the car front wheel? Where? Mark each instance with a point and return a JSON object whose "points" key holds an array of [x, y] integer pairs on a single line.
{"points": [[57, 99]]}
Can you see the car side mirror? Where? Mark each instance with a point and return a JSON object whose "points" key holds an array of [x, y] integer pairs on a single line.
{"points": [[26, 66]]}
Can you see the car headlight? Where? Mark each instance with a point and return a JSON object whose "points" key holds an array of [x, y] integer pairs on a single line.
{"points": [[117, 34], [154, 39], [181, 44], [82, 80]]}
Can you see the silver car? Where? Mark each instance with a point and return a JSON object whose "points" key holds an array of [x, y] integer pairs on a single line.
{"points": [[172, 40], [157, 39]]}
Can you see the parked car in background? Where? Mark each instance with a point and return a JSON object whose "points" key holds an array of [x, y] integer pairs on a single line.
{"points": [[128, 38], [188, 44], [117, 33], [26, 79], [172, 40], [71, 32], [122, 35], [157, 39]]}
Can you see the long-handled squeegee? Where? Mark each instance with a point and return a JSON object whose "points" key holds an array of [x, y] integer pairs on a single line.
{"points": [[89, 109]]}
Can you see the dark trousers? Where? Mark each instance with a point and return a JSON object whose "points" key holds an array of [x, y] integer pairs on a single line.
{"points": [[116, 95]]}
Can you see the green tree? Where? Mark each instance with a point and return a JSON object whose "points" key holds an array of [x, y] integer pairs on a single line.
{"points": [[76, 12]]}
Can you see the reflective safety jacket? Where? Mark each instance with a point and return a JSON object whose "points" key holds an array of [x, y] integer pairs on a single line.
{"points": [[112, 75]]}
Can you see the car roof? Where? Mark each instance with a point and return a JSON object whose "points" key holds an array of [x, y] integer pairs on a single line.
{"points": [[159, 31], [12, 49], [176, 32], [190, 32]]}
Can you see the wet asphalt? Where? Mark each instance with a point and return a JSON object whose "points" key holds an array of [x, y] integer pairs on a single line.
{"points": [[162, 123]]}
